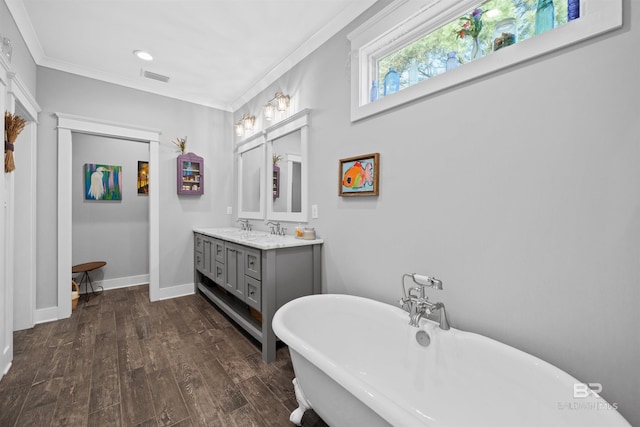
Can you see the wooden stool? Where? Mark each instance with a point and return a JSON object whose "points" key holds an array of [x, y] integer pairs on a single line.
{"points": [[84, 269]]}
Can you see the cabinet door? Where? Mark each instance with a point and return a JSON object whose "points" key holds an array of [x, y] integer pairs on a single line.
{"points": [[254, 297], [230, 262], [200, 262], [234, 266], [218, 273], [218, 250], [207, 254], [252, 263], [198, 242], [239, 290]]}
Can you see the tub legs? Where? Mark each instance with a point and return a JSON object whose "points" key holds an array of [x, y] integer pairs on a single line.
{"points": [[303, 404]]}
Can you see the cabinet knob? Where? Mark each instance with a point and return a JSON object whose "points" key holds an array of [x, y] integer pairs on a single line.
{"points": [[252, 293]]}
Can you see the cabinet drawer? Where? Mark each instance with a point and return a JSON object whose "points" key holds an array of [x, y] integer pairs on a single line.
{"points": [[218, 250], [252, 262], [199, 261], [218, 273], [199, 239], [253, 296]]}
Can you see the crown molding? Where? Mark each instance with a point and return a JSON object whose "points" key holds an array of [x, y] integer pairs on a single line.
{"points": [[26, 29], [351, 12]]}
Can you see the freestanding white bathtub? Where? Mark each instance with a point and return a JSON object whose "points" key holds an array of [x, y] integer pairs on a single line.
{"points": [[357, 362]]}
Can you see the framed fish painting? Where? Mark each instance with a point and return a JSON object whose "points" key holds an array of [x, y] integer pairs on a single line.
{"points": [[358, 176], [102, 182]]}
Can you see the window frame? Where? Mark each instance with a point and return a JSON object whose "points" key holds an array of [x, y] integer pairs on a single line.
{"points": [[404, 21]]}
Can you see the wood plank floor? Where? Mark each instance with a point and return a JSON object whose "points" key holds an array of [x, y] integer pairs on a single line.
{"points": [[120, 360]]}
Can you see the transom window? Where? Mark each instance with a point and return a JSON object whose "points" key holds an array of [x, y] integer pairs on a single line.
{"points": [[413, 48], [502, 23]]}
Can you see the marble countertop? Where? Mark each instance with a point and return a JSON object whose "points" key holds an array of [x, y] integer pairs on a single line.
{"points": [[256, 239]]}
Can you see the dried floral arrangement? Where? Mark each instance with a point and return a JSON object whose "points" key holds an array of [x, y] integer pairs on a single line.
{"points": [[13, 125], [181, 143]]}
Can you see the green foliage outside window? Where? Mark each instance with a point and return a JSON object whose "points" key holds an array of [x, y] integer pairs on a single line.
{"points": [[427, 56]]}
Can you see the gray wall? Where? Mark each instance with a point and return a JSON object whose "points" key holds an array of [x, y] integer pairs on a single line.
{"points": [[22, 62], [520, 190], [209, 135], [113, 231]]}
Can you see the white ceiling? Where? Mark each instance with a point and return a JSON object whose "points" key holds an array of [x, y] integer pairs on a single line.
{"points": [[218, 53]]}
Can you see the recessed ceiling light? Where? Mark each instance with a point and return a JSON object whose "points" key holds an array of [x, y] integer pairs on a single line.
{"points": [[143, 55]]}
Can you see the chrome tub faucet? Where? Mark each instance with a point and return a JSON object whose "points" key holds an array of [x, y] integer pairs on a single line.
{"points": [[417, 303]]}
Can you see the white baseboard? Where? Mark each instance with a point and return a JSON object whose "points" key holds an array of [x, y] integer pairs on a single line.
{"points": [[50, 314], [44, 315], [120, 282], [176, 291], [6, 369]]}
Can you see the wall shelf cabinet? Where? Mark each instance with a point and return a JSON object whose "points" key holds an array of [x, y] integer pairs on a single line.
{"points": [[190, 174]]}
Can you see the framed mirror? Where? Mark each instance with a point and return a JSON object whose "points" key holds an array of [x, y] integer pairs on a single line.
{"points": [[287, 174], [251, 178]]}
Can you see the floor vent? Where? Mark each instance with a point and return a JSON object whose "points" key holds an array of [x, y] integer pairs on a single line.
{"points": [[154, 76]]}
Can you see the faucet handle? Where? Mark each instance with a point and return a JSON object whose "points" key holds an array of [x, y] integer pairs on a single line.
{"points": [[432, 282], [435, 283]]}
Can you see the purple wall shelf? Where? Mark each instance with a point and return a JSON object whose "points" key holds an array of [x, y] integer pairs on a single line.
{"points": [[190, 174]]}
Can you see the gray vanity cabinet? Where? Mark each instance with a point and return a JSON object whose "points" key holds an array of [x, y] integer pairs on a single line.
{"points": [[249, 284]]}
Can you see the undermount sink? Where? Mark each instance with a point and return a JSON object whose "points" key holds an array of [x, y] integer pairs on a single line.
{"points": [[256, 235]]}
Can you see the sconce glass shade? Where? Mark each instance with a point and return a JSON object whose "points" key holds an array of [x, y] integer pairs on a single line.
{"points": [[282, 101], [248, 121], [268, 111], [7, 49], [239, 128]]}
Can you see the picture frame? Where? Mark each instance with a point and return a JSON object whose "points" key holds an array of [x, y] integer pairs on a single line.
{"points": [[143, 177], [359, 176], [102, 182]]}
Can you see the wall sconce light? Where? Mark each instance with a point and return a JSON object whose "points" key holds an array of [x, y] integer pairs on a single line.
{"points": [[248, 121], [239, 128], [279, 102], [7, 49], [245, 124]]}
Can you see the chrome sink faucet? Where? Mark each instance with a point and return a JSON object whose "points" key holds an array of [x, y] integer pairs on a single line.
{"points": [[417, 304], [276, 228], [245, 225]]}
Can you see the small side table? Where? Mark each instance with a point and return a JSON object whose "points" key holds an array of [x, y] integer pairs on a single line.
{"points": [[84, 270]]}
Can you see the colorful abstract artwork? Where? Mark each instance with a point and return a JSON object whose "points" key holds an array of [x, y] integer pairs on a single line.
{"points": [[358, 176], [143, 177], [102, 182]]}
